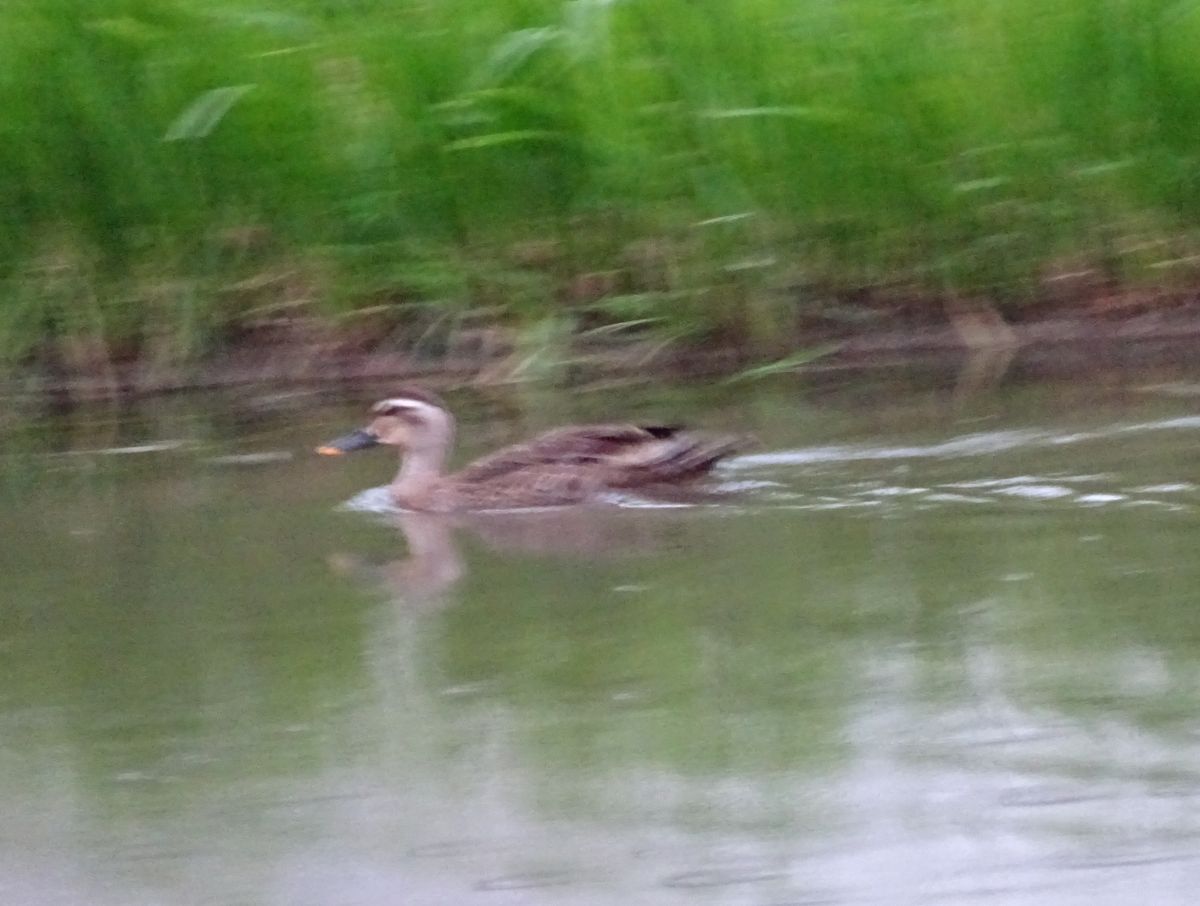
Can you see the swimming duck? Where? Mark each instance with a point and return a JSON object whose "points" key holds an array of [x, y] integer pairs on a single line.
{"points": [[565, 466]]}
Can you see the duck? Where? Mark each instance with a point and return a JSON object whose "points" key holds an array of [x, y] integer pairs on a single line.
{"points": [[570, 465]]}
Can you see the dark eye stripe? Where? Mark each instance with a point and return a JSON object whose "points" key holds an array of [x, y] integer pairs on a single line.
{"points": [[405, 414]]}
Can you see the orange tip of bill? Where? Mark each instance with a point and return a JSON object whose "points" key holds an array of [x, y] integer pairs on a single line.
{"points": [[329, 451]]}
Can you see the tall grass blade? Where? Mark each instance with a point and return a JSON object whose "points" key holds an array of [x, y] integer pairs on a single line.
{"points": [[205, 113]]}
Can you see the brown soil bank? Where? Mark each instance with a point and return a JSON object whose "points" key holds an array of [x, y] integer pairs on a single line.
{"points": [[865, 328]]}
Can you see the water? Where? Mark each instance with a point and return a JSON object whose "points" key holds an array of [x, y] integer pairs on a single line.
{"points": [[931, 646]]}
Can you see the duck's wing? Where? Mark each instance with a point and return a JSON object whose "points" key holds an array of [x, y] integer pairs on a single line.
{"points": [[577, 445], [623, 454]]}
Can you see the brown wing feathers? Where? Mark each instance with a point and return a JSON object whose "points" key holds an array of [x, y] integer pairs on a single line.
{"points": [[584, 444], [630, 454]]}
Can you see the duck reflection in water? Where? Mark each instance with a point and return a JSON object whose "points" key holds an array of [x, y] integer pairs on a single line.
{"points": [[434, 562]]}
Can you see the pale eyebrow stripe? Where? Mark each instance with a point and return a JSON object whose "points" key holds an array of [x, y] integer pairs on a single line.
{"points": [[415, 405]]}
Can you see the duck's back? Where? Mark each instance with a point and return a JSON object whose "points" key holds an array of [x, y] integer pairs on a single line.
{"points": [[570, 465]]}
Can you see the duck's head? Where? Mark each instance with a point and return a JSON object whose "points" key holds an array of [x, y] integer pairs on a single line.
{"points": [[414, 420]]}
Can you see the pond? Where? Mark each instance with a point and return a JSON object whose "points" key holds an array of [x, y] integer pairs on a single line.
{"points": [[937, 640]]}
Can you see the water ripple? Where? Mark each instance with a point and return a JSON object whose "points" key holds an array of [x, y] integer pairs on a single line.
{"points": [[719, 877], [1091, 490], [978, 444], [1031, 489], [453, 849], [530, 881], [1037, 491], [1050, 795], [1118, 858], [372, 500]]}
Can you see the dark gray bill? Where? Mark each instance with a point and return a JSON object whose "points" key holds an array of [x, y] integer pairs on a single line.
{"points": [[355, 440]]}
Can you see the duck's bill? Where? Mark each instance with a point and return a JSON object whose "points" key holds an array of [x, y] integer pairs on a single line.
{"points": [[355, 440]]}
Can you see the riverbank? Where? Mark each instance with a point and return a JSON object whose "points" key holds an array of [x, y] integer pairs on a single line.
{"points": [[196, 193], [877, 330]]}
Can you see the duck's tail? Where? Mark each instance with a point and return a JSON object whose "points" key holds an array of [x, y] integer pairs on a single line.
{"points": [[682, 456]]}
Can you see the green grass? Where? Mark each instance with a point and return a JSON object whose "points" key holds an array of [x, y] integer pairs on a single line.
{"points": [[175, 172]]}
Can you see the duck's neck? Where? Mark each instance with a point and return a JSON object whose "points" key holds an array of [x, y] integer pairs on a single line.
{"points": [[420, 471]]}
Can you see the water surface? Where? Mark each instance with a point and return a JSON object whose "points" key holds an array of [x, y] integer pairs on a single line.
{"points": [[933, 645]]}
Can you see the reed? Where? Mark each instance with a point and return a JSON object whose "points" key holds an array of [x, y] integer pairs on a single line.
{"points": [[174, 174]]}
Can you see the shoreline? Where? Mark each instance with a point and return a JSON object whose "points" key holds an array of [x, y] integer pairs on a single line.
{"points": [[1084, 340]]}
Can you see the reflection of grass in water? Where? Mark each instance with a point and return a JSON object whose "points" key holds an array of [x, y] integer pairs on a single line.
{"points": [[649, 721], [181, 639], [713, 669], [718, 669], [1071, 631], [175, 172]]}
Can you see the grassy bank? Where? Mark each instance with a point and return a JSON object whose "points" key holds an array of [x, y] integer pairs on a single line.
{"points": [[177, 175]]}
